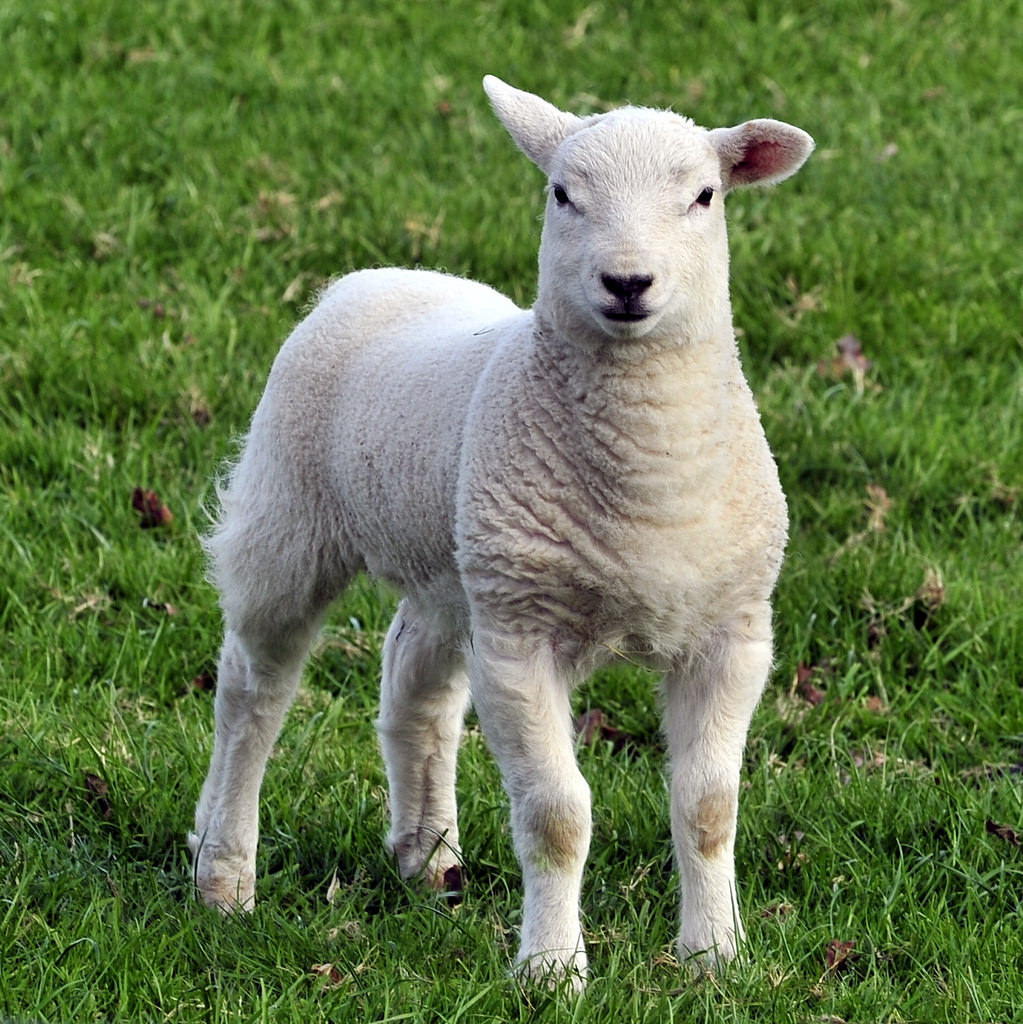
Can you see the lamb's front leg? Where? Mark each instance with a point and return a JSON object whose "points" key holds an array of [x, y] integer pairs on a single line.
{"points": [[710, 699], [523, 707]]}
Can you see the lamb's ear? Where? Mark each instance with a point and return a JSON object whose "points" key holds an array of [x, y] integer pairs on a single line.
{"points": [[537, 126], [760, 152]]}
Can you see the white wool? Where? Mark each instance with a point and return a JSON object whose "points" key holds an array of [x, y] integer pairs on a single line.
{"points": [[548, 488]]}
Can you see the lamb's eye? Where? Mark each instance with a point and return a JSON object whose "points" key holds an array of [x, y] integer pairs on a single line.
{"points": [[560, 195], [704, 198]]}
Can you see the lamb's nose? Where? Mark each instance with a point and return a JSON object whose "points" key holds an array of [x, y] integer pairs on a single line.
{"points": [[626, 287]]}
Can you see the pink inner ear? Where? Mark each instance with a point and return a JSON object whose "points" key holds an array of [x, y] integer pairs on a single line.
{"points": [[761, 151], [761, 160]]}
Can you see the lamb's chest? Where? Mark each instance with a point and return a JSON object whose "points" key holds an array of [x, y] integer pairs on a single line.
{"points": [[670, 579]]}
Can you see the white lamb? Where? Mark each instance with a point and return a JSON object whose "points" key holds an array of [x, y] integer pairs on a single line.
{"points": [[548, 488]]}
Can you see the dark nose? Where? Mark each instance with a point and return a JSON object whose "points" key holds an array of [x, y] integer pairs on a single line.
{"points": [[626, 287]]}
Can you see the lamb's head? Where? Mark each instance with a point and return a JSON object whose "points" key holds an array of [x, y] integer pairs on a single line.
{"points": [[634, 243]]}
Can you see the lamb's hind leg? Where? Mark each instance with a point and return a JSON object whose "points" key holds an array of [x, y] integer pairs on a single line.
{"points": [[710, 700], [423, 701], [254, 691], [274, 588]]}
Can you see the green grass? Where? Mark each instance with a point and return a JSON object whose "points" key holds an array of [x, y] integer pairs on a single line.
{"points": [[175, 183]]}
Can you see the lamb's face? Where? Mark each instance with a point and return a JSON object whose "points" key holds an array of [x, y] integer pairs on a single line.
{"points": [[634, 236], [634, 239]]}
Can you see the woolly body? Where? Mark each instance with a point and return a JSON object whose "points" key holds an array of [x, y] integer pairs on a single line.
{"points": [[548, 488]]}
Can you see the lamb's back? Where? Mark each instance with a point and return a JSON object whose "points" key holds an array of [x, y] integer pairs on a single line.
{"points": [[367, 401]]}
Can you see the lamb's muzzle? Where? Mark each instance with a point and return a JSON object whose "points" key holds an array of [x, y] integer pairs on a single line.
{"points": [[627, 289]]}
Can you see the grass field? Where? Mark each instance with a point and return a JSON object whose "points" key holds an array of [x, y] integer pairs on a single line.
{"points": [[175, 183]]}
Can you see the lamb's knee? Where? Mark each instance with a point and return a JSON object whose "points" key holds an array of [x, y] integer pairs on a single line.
{"points": [[553, 829], [714, 820], [421, 658], [245, 677]]}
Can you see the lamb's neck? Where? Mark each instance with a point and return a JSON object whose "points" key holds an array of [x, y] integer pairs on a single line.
{"points": [[645, 427], [662, 377]]}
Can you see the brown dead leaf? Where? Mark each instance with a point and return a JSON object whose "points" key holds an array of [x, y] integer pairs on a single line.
{"points": [[850, 354], [154, 306], [804, 685], [331, 975], [276, 203], [1010, 835], [849, 360], [593, 727], [423, 234], [668, 960], [90, 603], [839, 955], [152, 511], [918, 608], [204, 682], [333, 978], [98, 793], [274, 213], [349, 929], [21, 275], [589, 726], [777, 910]]}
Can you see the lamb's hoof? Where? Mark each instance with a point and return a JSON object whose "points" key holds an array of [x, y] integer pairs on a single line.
{"points": [[233, 896], [706, 959], [425, 854], [552, 971], [222, 884]]}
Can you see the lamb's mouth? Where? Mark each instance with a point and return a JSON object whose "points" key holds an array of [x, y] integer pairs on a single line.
{"points": [[624, 318], [627, 325]]}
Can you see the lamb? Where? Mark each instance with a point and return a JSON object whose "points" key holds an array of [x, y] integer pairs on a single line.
{"points": [[548, 489]]}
